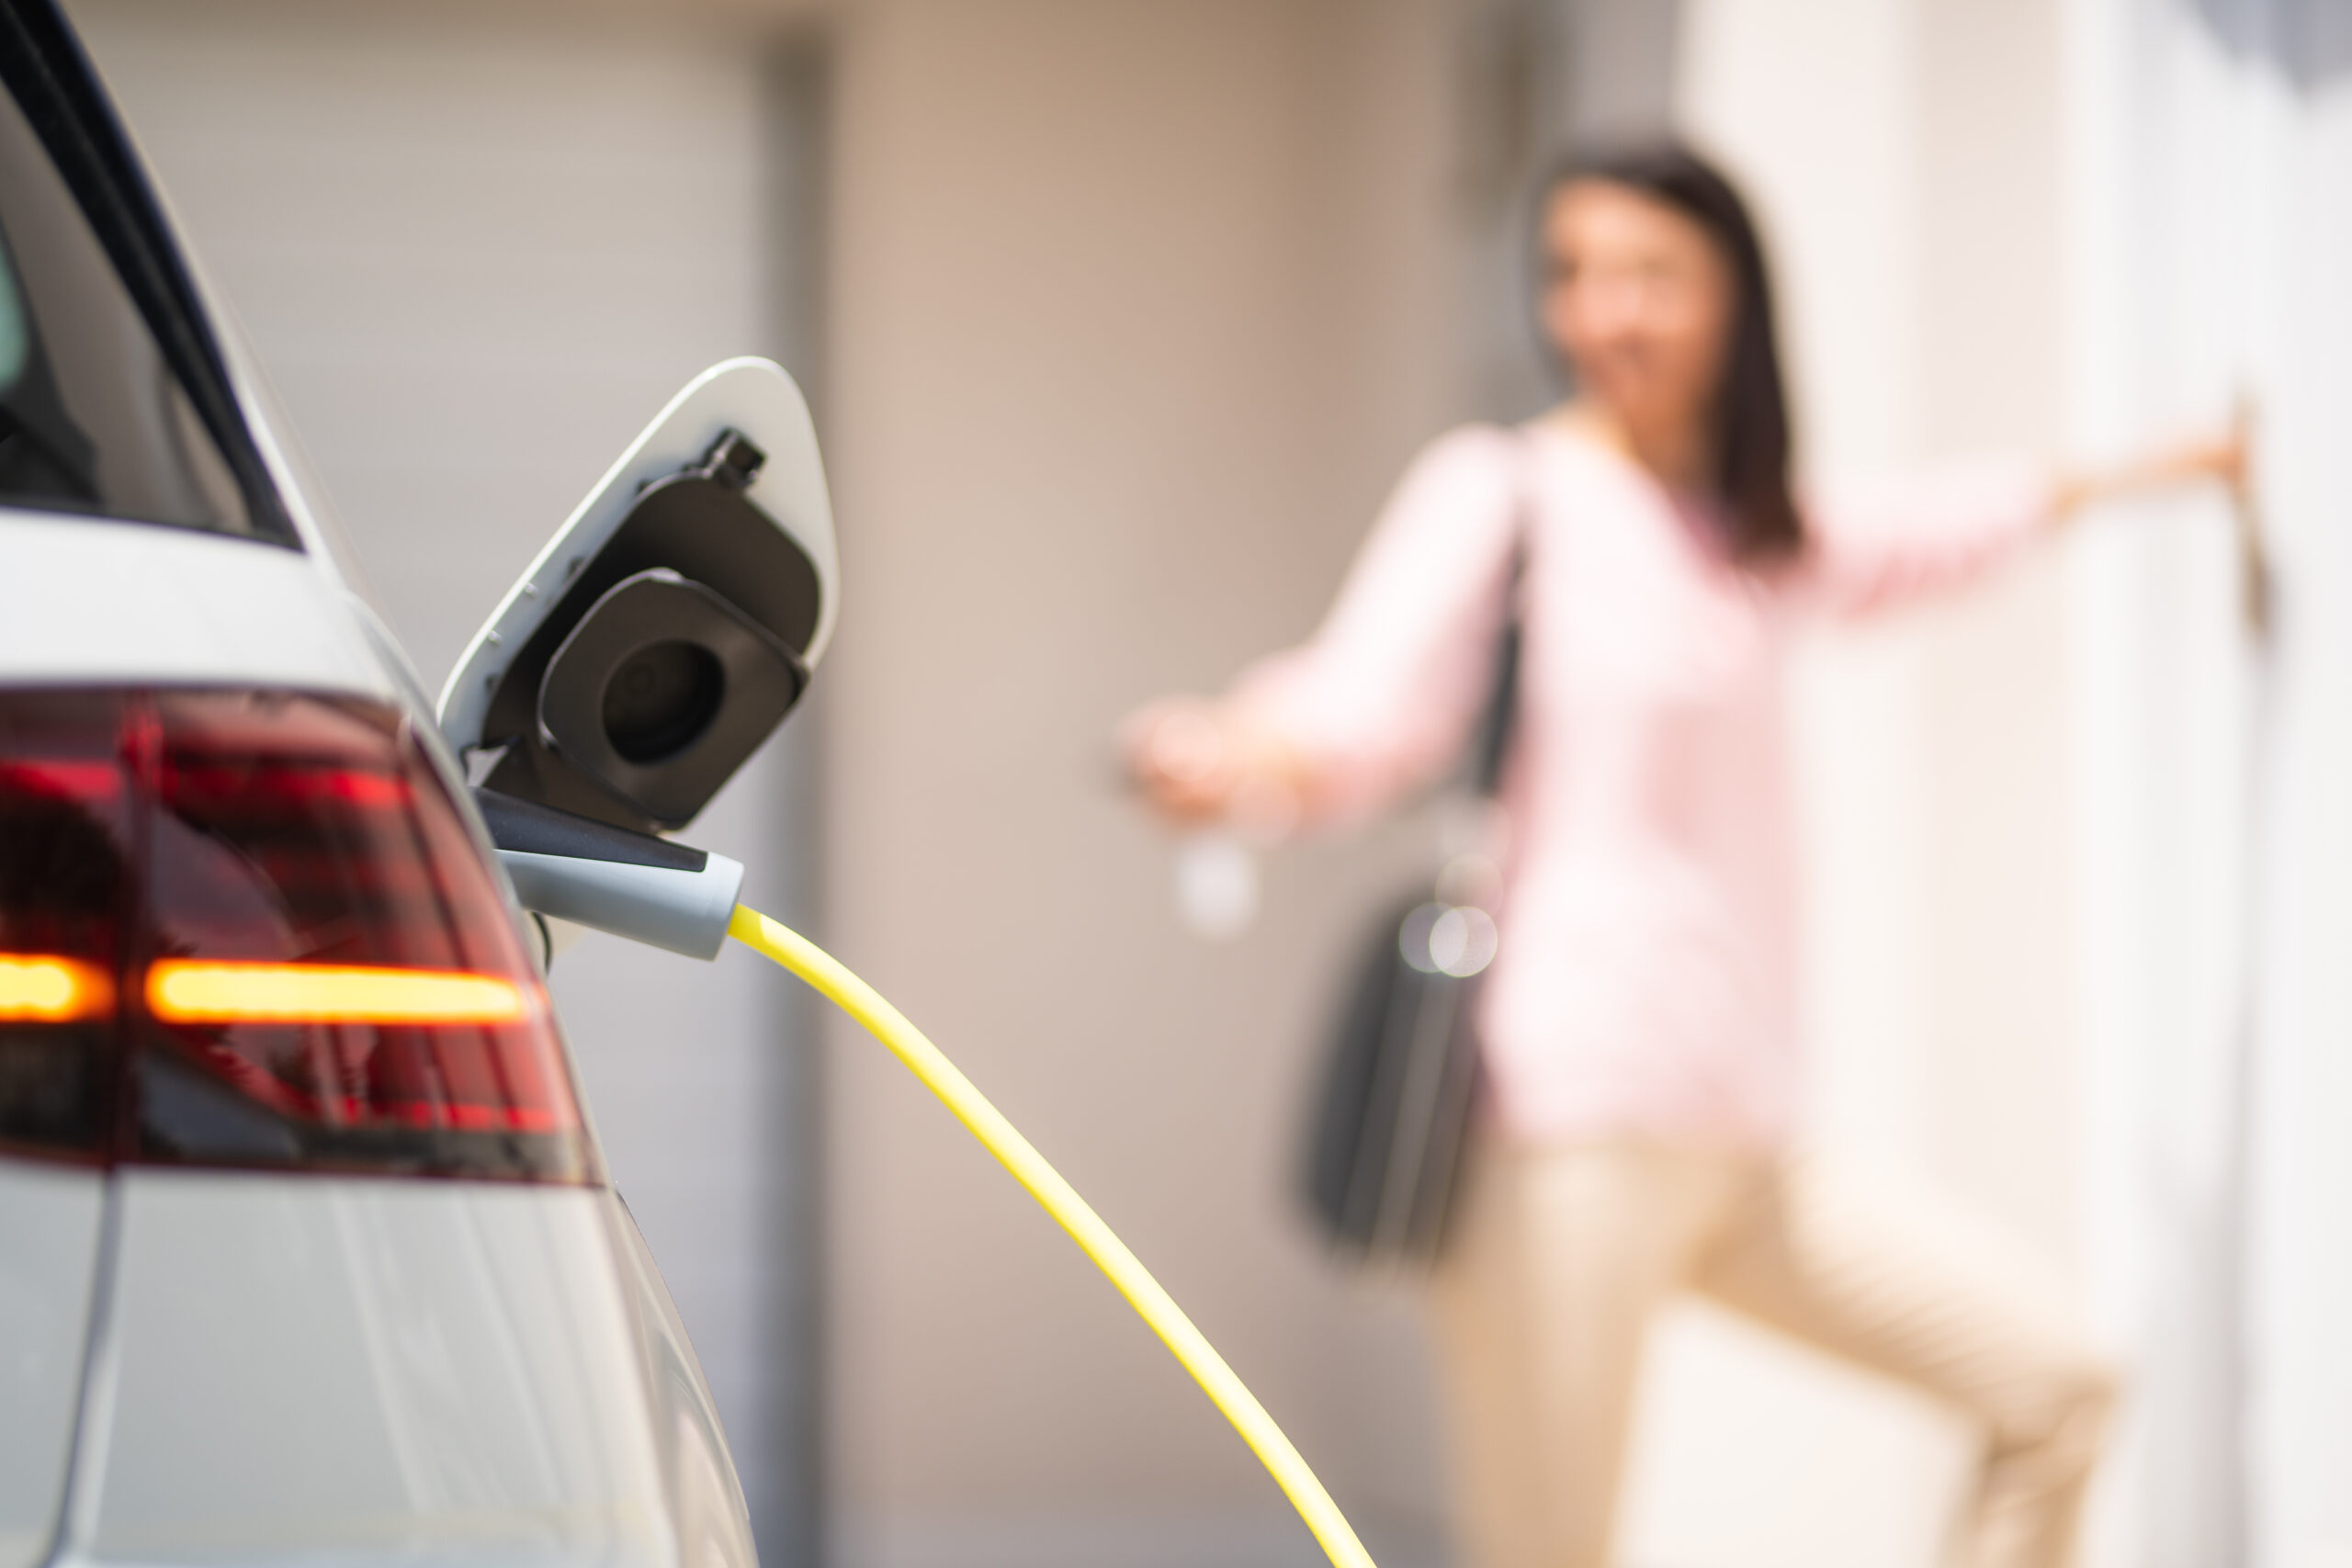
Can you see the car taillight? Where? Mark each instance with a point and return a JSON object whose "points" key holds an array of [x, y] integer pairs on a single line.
{"points": [[250, 929]]}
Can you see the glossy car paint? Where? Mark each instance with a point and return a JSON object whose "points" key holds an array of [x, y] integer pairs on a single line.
{"points": [[89, 603], [50, 1223], [352, 1367]]}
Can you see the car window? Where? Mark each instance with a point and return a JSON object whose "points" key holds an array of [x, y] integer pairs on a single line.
{"points": [[93, 419]]}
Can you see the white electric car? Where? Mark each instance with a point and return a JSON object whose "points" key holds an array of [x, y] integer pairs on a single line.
{"points": [[306, 1251]]}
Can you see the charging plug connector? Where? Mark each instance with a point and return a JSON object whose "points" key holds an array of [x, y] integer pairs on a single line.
{"points": [[632, 884]]}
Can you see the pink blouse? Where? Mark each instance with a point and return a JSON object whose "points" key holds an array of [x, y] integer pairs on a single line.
{"points": [[1647, 977]]}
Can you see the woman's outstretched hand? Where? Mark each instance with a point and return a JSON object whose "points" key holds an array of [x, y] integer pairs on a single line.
{"points": [[1176, 755], [1194, 760]]}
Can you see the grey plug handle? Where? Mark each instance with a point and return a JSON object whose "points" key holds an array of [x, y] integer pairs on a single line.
{"points": [[631, 885]]}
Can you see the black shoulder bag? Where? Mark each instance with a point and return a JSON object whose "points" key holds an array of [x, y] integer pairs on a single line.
{"points": [[1401, 1071]]}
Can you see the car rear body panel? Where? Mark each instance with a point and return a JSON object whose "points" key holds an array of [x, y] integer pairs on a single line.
{"points": [[88, 602], [52, 1221], [307, 1367], [366, 1369]]}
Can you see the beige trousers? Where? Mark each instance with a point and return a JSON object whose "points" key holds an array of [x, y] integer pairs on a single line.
{"points": [[1560, 1256]]}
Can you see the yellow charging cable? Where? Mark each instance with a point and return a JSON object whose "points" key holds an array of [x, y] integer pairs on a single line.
{"points": [[939, 1075]]}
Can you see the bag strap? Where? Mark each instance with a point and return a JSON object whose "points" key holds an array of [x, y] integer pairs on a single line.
{"points": [[1501, 720]]}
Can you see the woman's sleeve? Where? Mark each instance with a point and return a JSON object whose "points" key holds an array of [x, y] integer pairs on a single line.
{"points": [[1383, 696], [1881, 548]]}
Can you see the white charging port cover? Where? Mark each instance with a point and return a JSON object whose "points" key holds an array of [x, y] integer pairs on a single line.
{"points": [[667, 628]]}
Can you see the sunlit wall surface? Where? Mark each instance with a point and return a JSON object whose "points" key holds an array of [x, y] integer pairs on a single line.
{"points": [[2211, 158]]}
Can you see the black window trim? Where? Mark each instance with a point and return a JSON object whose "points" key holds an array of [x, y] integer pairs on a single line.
{"points": [[43, 66]]}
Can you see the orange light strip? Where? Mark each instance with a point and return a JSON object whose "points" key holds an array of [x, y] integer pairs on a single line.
{"points": [[39, 988], [184, 990]]}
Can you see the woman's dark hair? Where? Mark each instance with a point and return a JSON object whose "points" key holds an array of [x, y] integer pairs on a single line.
{"points": [[1751, 405]]}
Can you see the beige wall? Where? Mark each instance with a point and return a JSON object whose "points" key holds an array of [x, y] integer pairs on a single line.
{"points": [[1140, 308]]}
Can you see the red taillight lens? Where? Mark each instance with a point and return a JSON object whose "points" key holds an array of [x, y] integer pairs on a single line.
{"points": [[318, 971], [66, 894]]}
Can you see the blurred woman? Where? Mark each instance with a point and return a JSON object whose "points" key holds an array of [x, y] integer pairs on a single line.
{"points": [[1638, 1024]]}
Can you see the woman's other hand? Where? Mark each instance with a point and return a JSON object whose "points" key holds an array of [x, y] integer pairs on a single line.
{"points": [[2217, 456], [2224, 457]]}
